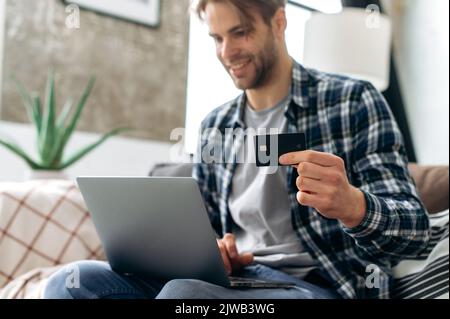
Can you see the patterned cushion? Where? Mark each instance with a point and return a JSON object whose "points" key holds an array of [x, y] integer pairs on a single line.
{"points": [[43, 224], [30, 285], [426, 277], [432, 185]]}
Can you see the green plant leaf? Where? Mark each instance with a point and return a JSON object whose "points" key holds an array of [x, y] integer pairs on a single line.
{"points": [[87, 91], [53, 133], [85, 150], [55, 156], [62, 119], [27, 101], [19, 152], [65, 133], [37, 112], [47, 136]]}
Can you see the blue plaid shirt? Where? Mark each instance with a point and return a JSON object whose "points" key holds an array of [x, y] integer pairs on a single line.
{"points": [[351, 119]]}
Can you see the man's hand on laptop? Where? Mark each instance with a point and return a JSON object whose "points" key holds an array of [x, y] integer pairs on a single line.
{"points": [[231, 258]]}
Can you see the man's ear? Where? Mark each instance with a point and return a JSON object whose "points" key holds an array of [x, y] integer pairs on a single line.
{"points": [[279, 22]]}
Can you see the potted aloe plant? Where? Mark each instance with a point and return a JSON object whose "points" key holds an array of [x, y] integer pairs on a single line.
{"points": [[53, 131]]}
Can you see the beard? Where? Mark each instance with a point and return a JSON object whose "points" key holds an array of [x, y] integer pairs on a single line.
{"points": [[261, 66]]}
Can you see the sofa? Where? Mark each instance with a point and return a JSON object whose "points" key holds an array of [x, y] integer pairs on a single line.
{"points": [[45, 225]]}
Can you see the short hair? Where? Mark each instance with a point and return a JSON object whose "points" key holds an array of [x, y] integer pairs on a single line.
{"points": [[266, 8]]}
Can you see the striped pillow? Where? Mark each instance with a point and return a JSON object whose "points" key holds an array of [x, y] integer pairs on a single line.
{"points": [[426, 277]]}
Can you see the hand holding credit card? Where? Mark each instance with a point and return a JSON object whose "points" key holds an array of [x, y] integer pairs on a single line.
{"points": [[269, 148]]}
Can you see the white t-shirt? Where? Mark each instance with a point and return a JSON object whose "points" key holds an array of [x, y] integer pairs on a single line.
{"points": [[260, 205]]}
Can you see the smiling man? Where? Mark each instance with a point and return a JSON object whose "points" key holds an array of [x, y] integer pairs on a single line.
{"points": [[345, 206], [333, 220]]}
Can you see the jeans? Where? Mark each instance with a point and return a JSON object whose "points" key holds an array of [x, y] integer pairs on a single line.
{"points": [[96, 280]]}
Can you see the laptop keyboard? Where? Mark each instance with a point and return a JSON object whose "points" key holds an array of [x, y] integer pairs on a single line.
{"points": [[258, 283]]}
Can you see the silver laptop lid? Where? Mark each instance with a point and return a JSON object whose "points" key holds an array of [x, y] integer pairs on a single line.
{"points": [[154, 227]]}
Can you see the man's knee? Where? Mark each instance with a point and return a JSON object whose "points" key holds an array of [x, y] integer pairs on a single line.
{"points": [[188, 289], [76, 280]]}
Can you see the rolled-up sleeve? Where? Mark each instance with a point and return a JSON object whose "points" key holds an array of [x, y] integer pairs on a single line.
{"points": [[396, 224]]}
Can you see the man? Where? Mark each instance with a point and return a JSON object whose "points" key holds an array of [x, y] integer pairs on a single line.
{"points": [[333, 219]]}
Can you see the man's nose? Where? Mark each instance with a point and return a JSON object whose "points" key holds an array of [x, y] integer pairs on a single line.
{"points": [[228, 50]]}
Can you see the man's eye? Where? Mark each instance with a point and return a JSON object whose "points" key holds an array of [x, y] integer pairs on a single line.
{"points": [[217, 39], [240, 33]]}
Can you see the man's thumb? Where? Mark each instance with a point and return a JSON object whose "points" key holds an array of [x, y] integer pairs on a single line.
{"points": [[246, 258]]}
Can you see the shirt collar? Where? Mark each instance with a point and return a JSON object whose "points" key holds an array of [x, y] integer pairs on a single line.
{"points": [[300, 92], [302, 81]]}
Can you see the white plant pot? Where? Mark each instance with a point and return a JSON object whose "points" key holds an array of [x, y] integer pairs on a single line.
{"points": [[44, 174]]}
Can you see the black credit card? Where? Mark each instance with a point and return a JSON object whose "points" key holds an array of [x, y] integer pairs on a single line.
{"points": [[269, 148]]}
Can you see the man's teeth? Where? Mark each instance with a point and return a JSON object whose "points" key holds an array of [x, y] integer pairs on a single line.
{"points": [[239, 66]]}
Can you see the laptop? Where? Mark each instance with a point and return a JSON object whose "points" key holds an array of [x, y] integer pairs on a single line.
{"points": [[158, 228]]}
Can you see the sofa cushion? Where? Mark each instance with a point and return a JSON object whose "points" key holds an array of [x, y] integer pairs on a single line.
{"points": [[43, 224], [426, 275], [432, 184]]}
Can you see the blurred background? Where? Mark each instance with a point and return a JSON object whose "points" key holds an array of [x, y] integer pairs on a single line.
{"points": [[156, 71]]}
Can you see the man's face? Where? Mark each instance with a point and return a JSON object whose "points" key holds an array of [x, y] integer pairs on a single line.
{"points": [[249, 58]]}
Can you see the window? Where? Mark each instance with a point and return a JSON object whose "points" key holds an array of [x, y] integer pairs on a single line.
{"points": [[209, 86], [325, 6]]}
